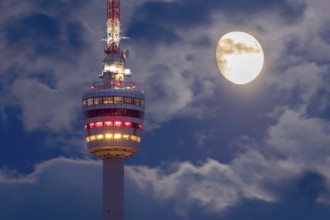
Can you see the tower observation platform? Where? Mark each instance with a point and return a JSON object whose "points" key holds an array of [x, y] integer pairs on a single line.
{"points": [[113, 114]]}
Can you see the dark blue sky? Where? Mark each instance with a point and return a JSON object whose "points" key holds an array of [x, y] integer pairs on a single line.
{"points": [[210, 149]]}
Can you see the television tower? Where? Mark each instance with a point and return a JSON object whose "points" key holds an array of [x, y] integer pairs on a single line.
{"points": [[113, 113]]}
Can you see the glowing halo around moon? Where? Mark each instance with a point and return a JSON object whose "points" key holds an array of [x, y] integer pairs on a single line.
{"points": [[239, 57]]}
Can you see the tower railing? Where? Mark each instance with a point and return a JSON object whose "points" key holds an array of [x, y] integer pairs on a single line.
{"points": [[114, 84]]}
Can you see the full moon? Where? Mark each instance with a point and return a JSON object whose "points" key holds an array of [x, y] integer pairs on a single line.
{"points": [[239, 57]]}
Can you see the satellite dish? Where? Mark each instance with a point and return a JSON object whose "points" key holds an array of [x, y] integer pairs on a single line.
{"points": [[125, 54]]}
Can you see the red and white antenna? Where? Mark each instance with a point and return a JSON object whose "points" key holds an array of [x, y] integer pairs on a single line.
{"points": [[113, 27], [114, 62]]}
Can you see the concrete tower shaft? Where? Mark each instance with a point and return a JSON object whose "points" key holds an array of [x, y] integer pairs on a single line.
{"points": [[113, 186]]}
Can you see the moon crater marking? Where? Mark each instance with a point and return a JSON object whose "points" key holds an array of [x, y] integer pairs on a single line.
{"points": [[239, 57]]}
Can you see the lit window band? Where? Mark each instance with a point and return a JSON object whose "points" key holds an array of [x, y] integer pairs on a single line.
{"points": [[112, 100], [101, 124], [115, 136]]}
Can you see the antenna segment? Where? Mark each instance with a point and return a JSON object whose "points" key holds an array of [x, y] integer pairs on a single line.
{"points": [[113, 27], [114, 62]]}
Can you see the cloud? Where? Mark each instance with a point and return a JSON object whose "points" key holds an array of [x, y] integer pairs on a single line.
{"points": [[187, 14], [34, 115], [150, 33], [292, 156], [178, 68], [212, 186], [44, 51], [45, 192], [217, 188], [272, 175], [171, 49]]}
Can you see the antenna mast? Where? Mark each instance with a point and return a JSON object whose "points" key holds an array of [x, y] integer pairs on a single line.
{"points": [[115, 59], [113, 27]]}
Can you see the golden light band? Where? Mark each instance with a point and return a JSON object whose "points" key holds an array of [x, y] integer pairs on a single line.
{"points": [[116, 136]]}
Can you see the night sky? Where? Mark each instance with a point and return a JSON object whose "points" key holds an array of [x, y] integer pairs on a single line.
{"points": [[210, 149]]}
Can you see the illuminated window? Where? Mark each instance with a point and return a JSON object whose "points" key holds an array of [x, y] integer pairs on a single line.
{"points": [[136, 101], [97, 100], [99, 124], [118, 123], [117, 136], [128, 100], [118, 100], [100, 137], [133, 138], [108, 123], [112, 100], [90, 101], [107, 100], [108, 136], [126, 137]]}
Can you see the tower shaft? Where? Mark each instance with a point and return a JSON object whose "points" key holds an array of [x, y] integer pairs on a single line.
{"points": [[113, 189]]}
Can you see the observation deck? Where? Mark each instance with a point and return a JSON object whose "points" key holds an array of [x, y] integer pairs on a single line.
{"points": [[113, 113]]}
